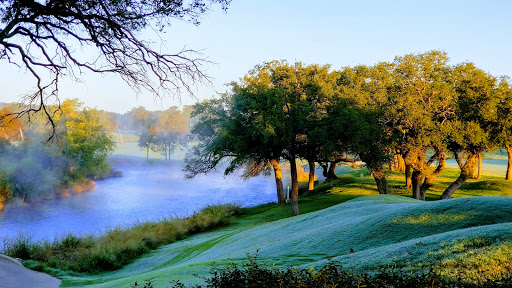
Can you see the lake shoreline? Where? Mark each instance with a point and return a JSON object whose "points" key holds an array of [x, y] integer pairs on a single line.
{"points": [[149, 190]]}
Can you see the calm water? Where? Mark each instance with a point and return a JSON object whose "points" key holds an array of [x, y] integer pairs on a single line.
{"points": [[145, 192]]}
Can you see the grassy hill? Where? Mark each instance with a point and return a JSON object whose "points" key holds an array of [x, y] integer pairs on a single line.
{"points": [[469, 237]]}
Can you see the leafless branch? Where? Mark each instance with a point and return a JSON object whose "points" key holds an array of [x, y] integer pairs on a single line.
{"points": [[42, 37]]}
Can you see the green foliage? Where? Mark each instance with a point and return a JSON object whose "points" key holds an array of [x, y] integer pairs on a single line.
{"points": [[503, 129], [29, 171], [5, 188], [86, 145], [116, 247], [204, 157], [254, 273], [169, 132]]}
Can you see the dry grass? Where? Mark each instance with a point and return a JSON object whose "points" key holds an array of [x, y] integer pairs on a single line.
{"points": [[117, 247]]}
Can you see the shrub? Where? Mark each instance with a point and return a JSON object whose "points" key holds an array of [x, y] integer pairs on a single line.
{"points": [[252, 273]]}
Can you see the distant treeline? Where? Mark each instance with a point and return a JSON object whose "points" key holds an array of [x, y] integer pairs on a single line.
{"points": [[160, 131], [35, 164]]}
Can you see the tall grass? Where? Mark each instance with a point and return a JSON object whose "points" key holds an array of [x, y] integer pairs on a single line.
{"points": [[117, 247]]}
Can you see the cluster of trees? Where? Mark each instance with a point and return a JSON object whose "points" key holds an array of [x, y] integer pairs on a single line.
{"points": [[32, 169], [416, 110], [160, 131]]}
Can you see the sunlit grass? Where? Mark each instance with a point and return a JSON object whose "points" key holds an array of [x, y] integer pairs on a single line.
{"points": [[477, 260], [433, 219], [488, 185]]}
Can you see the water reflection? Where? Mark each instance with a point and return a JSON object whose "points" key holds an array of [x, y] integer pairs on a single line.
{"points": [[145, 192]]}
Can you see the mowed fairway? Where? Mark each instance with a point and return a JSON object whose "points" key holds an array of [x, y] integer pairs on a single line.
{"points": [[469, 236]]}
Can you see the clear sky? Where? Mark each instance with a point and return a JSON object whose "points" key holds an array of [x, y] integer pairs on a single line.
{"points": [[340, 33]]}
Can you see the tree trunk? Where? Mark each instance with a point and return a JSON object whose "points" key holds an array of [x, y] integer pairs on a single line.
{"points": [[479, 175], [509, 165], [393, 164], [465, 169], [416, 181], [279, 181], [401, 163], [324, 169], [447, 194], [311, 180], [430, 178], [331, 175], [408, 181], [396, 163], [295, 186], [380, 178], [472, 171], [22, 138], [147, 152], [120, 135]]}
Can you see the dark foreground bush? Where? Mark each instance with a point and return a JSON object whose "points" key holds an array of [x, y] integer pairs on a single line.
{"points": [[252, 274], [117, 247]]}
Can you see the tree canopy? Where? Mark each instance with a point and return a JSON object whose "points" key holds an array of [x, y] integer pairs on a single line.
{"points": [[418, 107]]}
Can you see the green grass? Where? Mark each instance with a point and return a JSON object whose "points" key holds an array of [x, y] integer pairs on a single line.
{"points": [[488, 185], [363, 234], [468, 237], [358, 181]]}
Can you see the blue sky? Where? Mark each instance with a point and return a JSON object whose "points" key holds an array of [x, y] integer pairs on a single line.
{"points": [[340, 33]]}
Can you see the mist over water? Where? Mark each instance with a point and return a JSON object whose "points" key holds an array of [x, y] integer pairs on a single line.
{"points": [[146, 192]]}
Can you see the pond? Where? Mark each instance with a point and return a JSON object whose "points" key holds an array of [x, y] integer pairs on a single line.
{"points": [[147, 191]]}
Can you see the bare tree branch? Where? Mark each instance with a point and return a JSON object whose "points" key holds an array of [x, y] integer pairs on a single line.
{"points": [[42, 36]]}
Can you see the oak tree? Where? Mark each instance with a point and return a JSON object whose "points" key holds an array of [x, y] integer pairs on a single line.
{"points": [[421, 100], [472, 130]]}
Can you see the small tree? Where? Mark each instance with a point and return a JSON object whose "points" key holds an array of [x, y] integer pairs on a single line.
{"points": [[147, 140], [84, 142], [170, 130]]}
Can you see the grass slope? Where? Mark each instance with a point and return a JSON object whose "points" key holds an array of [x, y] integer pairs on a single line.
{"points": [[463, 235]]}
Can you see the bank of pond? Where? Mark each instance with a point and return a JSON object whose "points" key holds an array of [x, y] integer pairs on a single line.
{"points": [[377, 239]]}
